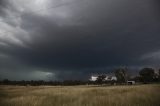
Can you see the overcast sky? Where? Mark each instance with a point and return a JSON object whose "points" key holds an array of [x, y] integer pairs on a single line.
{"points": [[71, 39]]}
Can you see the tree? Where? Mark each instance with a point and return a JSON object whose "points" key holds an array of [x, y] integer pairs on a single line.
{"points": [[147, 75], [6, 81], [101, 79], [121, 74]]}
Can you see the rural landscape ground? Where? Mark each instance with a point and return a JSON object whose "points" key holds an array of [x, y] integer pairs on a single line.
{"points": [[136, 95]]}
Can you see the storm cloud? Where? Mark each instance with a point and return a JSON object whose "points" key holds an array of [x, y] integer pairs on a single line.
{"points": [[68, 39]]}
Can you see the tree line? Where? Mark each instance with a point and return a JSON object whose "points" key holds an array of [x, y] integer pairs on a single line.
{"points": [[146, 75], [42, 82]]}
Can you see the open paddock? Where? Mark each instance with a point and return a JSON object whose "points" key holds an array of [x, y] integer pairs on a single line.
{"points": [[136, 95]]}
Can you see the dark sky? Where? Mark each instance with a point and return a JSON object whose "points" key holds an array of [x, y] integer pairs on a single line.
{"points": [[71, 39]]}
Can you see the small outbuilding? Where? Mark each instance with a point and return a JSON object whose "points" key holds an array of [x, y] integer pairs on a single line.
{"points": [[131, 82]]}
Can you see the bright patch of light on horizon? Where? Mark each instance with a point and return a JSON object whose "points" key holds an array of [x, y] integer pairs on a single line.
{"points": [[40, 75]]}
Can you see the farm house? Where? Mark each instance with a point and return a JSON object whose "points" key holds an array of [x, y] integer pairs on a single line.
{"points": [[107, 78]]}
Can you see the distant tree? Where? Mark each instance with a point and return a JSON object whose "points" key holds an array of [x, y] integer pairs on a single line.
{"points": [[121, 74], [101, 79], [147, 75], [6, 81], [136, 78]]}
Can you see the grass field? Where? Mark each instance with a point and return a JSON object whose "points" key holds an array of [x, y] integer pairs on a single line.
{"points": [[138, 95]]}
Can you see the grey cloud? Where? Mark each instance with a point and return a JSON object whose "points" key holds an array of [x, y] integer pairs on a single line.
{"points": [[86, 36]]}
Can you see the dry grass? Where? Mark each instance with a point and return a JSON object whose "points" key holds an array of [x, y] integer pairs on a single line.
{"points": [[140, 95]]}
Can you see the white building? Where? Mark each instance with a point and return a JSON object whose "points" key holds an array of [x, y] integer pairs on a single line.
{"points": [[111, 78], [108, 78], [131, 82], [93, 78]]}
